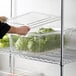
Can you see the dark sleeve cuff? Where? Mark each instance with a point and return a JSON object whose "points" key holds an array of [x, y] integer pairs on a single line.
{"points": [[4, 28]]}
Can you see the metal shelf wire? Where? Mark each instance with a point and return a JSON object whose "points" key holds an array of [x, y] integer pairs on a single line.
{"points": [[50, 56], [34, 19]]}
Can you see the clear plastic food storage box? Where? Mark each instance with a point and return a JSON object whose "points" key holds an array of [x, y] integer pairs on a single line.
{"points": [[43, 41], [43, 35], [2, 73], [37, 41], [43, 38], [20, 72]]}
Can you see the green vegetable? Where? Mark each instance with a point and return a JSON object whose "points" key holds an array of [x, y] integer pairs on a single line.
{"points": [[4, 42], [14, 38], [45, 30], [32, 45], [21, 43], [52, 41], [37, 42]]}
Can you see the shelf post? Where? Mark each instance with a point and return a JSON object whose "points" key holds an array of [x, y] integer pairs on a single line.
{"points": [[62, 41], [11, 57]]}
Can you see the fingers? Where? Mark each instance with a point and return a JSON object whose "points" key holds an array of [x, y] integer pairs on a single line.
{"points": [[3, 18], [25, 29], [22, 30]]}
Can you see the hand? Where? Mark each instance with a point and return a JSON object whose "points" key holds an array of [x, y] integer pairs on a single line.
{"points": [[22, 30], [3, 18]]}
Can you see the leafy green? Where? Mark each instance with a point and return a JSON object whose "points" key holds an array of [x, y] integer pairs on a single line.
{"points": [[40, 41], [45, 30], [21, 43], [4, 42]]}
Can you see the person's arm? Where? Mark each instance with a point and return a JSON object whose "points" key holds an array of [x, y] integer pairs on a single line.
{"points": [[6, 28], [17, 30], [22, 30]]}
